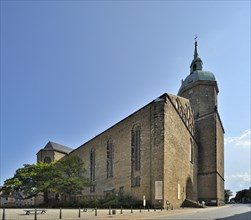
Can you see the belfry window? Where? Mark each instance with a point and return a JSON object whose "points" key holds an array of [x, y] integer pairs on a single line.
{"points": [[194, 67], [109, 159], [135, 154], [92, 170]]}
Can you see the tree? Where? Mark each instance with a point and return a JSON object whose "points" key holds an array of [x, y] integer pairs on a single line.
{"points": [[228, 193], [69, 177], [64, 176], [30, 180], [243, 196]]}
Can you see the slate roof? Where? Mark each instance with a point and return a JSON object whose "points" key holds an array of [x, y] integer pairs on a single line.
{"points": [[57, 147]]}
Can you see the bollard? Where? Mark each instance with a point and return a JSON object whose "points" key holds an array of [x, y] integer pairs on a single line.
{"points": [[131, 209], [60, 213], [35, 216], [121, 210], [139, 208], [79, 214], [148, 208], [3, 218], [109, 210], [96, 213]]}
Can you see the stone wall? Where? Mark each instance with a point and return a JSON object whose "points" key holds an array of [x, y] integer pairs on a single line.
{"points": [[120, 136], [180, 150]]}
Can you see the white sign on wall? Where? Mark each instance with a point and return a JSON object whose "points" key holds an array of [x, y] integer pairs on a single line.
{"points": [[158, 190], [178, 191]]}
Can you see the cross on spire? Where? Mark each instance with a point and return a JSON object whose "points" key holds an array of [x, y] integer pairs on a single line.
{"points": [[195, 47]]}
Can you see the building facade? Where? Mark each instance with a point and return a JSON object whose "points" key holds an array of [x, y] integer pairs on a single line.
{"points": [[169, 151]]}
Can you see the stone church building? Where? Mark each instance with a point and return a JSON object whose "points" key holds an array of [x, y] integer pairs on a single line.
{"points": [[170, 150]]}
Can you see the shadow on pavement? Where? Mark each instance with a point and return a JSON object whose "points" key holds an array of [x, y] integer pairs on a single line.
{"points": [[242, 216]]}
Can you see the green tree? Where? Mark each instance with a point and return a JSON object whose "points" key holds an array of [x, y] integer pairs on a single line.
{"points": [[64, 177], [228, 194], [31, 180], [69, 177], [243, 195]]}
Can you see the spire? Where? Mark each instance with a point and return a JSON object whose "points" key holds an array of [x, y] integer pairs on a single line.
{"points": [[197, 62], [195, 47]]}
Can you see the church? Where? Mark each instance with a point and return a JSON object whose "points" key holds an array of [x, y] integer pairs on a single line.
{"points": [[170, 151]]}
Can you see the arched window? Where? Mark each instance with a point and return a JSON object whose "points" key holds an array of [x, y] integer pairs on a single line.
{"points": [[92, 169], [194, 67], [136, 133], [47, 160], [109, 159]]}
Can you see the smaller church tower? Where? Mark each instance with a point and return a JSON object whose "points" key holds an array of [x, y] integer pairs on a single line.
{"points": [[201, 88]]}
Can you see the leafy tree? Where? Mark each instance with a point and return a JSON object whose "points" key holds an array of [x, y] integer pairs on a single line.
{"points": [[31, 180], [228, 194], [243, 195], [69, 177], [63, 176]]}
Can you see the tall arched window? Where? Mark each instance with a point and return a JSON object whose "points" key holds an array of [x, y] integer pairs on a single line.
{"points": [[136, 148], [92, 169], [109, 159]]}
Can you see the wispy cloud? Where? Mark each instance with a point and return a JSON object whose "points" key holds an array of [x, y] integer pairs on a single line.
{"points": [[237, 161], [245, 177], [239, 181], [243, 140]]}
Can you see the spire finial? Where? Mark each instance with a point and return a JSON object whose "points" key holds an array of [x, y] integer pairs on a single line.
{"points": [[195, 47]]}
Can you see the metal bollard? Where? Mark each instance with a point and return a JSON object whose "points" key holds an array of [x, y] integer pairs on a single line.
{"points": [[79, 214], [60, 213], [109, 210], [121, 210], [96, 213], [3, 217], [131, 209], [35, 216], [139, 208]]}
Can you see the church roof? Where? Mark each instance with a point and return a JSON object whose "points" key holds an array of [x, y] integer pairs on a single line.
{"points": [[57, 147]]}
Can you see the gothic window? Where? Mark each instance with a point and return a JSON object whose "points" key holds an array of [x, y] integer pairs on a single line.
{"points": [[47, 160], [92, 170], [109, 159], [135, 154]]}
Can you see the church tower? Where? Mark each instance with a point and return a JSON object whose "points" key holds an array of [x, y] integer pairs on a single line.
{"points": [[201, 88]]}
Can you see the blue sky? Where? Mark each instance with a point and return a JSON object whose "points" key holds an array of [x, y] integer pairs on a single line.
{"points": [[71, 69]]}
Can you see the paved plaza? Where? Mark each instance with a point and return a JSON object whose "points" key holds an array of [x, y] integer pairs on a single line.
{"points": [[228, 212]]}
